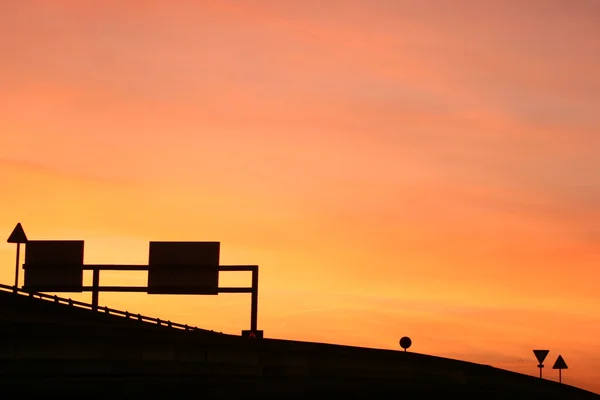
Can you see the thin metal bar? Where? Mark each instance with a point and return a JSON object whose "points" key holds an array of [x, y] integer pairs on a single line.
{"points": [[235, 290], [17, 267], [254, 301], [115, 267], [141, 267], [143, 289], [115, 289], [101, 267], [560, 376], [225, 268], [95, 289]]}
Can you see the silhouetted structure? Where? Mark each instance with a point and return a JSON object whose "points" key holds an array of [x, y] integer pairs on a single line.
{"points": [[53, 347], [185, 268], [405, 342], [560, 364], [18, 237], [541, 356]]}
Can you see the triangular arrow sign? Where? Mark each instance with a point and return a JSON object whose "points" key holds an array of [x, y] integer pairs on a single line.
{"points": [[252, 335], [560, 363], [17, 235], [541, 355]]}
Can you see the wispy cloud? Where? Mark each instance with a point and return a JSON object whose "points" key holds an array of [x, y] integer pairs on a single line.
{"points": [[437, 158]]}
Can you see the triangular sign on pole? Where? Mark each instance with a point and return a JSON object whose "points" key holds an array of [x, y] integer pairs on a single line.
{"points": [[17, 235], [560, 363], [541, 355]]}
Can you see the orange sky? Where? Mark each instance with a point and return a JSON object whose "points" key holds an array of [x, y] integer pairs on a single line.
{"points": [[395, 167]]}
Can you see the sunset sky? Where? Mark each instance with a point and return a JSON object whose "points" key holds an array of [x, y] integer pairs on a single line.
{"points": [[421, 168]]}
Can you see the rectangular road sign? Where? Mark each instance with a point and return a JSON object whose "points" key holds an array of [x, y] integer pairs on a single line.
{"points": [[54, 265], [184, 268]]}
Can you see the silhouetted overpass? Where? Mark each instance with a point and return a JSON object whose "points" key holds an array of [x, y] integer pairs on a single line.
{"points": [[51, 346]]}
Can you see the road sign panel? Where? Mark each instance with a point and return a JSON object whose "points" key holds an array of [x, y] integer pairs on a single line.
{"points": [[184, 268], [54, 265], [252, 334], [541, 355], [560, 363], [18, 235]]}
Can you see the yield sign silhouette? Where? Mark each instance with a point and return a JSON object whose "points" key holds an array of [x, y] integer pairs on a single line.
{"points": [[17, 235], [541, 355], [560, 364]]}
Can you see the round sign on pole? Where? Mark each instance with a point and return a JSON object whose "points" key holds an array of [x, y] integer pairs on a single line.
{"points": [[405, 342]]}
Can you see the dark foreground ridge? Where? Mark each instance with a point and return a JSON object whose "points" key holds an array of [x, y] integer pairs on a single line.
{"points": [[54, 347]]}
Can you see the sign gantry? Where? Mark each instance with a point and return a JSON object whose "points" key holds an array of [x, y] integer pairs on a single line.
{"points": [[184, 268]]}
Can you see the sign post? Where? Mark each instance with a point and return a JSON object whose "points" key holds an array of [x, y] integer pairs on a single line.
{"points": [[560, 364], [541, 356], [17, 236]]}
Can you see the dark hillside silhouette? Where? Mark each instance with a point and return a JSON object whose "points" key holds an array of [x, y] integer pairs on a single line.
{"points": [[53, 346]]}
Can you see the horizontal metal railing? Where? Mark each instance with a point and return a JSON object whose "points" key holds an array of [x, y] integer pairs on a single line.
{"points": [[105, 310]]}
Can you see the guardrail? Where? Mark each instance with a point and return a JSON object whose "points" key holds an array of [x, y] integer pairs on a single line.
{"points": [[105, 310]]}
